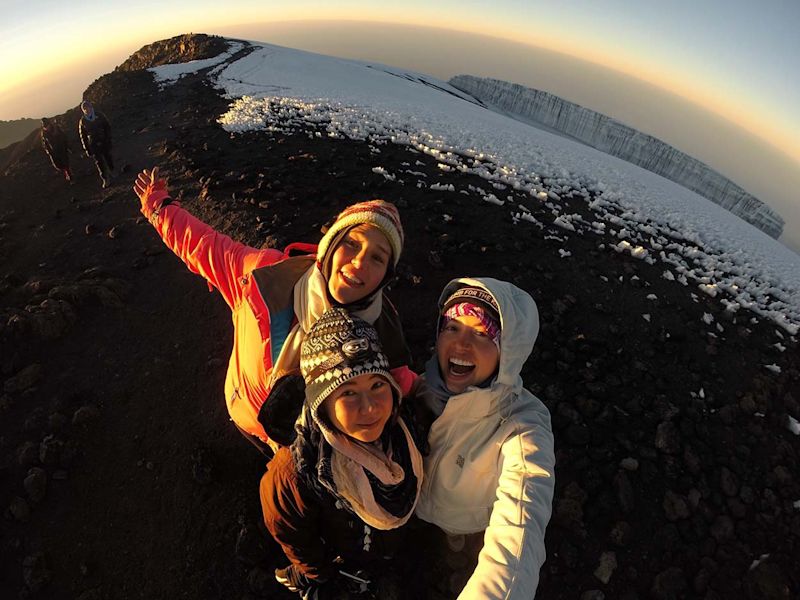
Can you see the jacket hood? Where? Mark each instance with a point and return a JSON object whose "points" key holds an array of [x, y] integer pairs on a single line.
{"points": [[519, 320]]}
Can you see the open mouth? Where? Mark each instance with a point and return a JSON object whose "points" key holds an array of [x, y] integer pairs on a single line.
{"points": [[350, 279], [460, 367]]}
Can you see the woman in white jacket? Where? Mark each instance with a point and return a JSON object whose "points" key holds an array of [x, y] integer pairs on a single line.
{"points": [[491, 462]]}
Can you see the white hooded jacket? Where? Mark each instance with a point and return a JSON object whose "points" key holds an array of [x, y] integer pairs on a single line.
{"points": [[491, 465]]}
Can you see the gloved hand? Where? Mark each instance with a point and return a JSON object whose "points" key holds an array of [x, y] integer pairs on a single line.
{"points": [[152, 192], [311, 589], [358, 583], [282, 407], [293, 579]]}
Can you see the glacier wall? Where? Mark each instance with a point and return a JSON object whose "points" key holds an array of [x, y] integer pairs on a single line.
{"points": [[624, 142]]}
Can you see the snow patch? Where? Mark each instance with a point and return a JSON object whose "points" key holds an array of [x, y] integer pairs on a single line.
{"points": [[562, 222], [709, 288], [758, 561], [384, 172], [165, 75]]}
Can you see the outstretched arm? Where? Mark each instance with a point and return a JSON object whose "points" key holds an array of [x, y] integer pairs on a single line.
{"points": [[513, 548], [222, 261]]}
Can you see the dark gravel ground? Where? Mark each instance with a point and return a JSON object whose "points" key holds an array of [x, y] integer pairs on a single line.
{"points": [[121, 476]]}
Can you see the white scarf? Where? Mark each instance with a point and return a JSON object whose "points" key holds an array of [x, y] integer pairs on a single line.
{"points": [[350, 460], [310, 303]]}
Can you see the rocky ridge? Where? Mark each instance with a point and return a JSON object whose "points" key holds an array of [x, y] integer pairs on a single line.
{"points": [[12, 131], [179, 49], [120, 475]]}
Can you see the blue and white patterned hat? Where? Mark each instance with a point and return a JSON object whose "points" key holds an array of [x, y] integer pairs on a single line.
{"points": [[340, 347]]}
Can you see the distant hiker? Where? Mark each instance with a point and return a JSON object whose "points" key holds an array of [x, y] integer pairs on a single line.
{"points": [[335, 499], [276, 298], [490, 470], [55, 143], [95, 133]]}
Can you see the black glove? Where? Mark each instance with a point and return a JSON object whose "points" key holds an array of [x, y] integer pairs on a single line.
{"points": [[282, 407]]}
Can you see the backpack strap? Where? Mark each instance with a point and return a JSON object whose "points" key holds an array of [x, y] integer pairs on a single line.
{"points": [[298, 248]]}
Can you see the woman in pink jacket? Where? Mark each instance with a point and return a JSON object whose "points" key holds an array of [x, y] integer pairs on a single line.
{"points": [[276, 298]]}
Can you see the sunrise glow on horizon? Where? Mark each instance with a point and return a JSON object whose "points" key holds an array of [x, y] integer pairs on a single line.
{"points": [[662, 47], [615, 36]]}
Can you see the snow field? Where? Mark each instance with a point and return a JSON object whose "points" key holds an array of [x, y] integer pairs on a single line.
{"points": [[701, 244]]}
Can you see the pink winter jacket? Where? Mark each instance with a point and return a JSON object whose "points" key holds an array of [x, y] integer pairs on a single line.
{"points": [[229, 266]]}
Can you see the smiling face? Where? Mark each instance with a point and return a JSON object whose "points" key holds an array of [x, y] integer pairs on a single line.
{"points": [[360, 407], [359, 264], [467, 355]]}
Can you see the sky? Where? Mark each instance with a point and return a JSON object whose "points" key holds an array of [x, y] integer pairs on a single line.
{"points": [[716, 78]]}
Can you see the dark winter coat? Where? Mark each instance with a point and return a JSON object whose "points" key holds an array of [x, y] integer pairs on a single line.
{"points": [[96, 134], [55, 143], [300, 518]]}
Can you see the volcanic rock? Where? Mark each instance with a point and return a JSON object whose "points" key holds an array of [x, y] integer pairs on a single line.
{"points": [[85, 415], [36, 484], [606, 567], [50, 450], [35, 572], [669, 584], [25, 379], [19, 509]]}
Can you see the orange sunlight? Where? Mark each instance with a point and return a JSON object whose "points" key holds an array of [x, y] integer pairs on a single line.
{"points": [[37, 64]]}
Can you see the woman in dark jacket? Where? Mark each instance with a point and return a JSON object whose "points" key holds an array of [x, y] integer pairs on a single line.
{"points": [[335, 499], [54, 141], [95, 133]]}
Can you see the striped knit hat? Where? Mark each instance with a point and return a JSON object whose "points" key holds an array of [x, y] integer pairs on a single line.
{"points": [[378, 213], [340, 347]]}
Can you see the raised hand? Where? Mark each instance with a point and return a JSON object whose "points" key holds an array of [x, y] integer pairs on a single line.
{"points": [[152, 191]]}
